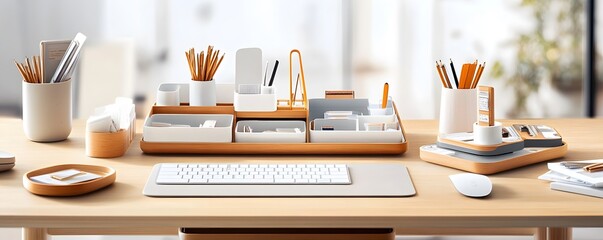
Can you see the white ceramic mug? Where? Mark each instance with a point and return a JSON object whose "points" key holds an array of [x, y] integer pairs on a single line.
{"points": [[202, 93], [458, 110], [47, 111]]}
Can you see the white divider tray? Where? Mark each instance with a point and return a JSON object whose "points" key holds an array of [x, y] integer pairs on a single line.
{"points": [[266, 131], [221, 132]]}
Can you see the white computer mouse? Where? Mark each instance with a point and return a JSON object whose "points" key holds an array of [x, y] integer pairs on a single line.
{"points": [[471, 184]]}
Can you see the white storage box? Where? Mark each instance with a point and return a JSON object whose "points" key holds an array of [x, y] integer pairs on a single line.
{"points": [[266, 131], [355, 136], [375, 119], [264, 102], [222, 132]]}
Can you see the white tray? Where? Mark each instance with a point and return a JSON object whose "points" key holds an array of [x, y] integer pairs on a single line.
{"points": [[258, 134], [360, 135], [222, 132]]}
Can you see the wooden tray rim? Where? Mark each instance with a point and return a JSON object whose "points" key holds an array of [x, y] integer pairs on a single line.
{"points": [[108, 178], [396, 147]]}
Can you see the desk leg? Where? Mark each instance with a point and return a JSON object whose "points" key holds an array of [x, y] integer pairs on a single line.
{"points": [[35, 234], [540, 234], [559, 233]]}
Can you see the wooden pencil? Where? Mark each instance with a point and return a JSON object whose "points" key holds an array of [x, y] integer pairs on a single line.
{"points": [[479, 75], [20, 70], [445, 75], [204, 65], [441, 75]]}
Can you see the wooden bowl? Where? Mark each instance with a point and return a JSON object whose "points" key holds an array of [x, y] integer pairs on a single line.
{"points": [[107, 174]]}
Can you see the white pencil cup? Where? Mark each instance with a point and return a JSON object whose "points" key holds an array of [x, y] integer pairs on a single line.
{"points": [[47, 111], [458, 110], [202, 93]]}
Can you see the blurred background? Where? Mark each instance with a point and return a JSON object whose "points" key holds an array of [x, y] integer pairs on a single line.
{"points": [[535, 50]]}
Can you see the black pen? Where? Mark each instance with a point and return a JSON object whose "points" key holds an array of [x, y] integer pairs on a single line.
{"points": [[273, 73], [456, 79]]}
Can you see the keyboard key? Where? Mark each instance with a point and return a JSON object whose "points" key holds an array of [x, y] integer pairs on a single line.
{"points": [[197, 180], [337, 180], [284, 180], [241, 181], [171, 181]]}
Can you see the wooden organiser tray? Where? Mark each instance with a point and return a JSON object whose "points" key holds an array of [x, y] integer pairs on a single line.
{"points": [[108, 178], [265, 148], [489, 164]]}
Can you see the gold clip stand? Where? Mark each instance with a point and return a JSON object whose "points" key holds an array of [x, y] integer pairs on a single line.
{"points": [[291, 101]]}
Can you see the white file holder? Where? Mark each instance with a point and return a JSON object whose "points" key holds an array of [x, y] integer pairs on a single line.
{"points": [[265, 131], [222, 132]]}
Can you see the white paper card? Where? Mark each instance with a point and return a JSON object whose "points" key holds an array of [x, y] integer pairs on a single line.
{"points": [[47, 178]]}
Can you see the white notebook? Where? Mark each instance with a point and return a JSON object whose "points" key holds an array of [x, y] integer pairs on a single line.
{"points": [[595, 178], [583, 190]]}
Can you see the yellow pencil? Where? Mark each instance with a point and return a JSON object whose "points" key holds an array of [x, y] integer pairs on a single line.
{"points": [[385, 95]]}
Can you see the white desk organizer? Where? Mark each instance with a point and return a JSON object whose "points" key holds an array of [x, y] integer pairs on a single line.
{"points": [[343, 134], [222, 132], [375, 108], [266, 101], [265, 131], [167, 92], [250, 93], [352, 130]]}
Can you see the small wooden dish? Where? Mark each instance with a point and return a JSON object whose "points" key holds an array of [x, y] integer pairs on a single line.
{"points": [[108, 178]]}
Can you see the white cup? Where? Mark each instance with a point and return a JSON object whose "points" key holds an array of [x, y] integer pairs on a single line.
{"points": [[47, 111], [267, 90], [168, 95], [487, 135], [458, 110], [202, 93]]}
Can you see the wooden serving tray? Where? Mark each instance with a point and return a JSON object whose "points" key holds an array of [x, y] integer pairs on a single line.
{"points": [[490, 164], [264, 148], [75, 189]]}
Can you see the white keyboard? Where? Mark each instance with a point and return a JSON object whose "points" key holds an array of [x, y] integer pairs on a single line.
{"points": [[252, 174]]}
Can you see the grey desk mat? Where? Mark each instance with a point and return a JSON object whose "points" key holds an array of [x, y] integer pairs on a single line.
{"points": [[368, 180], [476, 158], [505, 149]]}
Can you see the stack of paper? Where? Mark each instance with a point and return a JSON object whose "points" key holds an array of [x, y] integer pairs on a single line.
{"points": [[575, 180]]}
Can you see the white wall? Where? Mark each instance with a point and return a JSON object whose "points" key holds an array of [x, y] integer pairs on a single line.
{"points": [[25, 22]]}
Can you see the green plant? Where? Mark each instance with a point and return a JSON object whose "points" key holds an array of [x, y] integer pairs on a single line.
{"points": [[551, 51]]}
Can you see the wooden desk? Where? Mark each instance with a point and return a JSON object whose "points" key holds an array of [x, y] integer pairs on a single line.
{"points": [[519, 199]]}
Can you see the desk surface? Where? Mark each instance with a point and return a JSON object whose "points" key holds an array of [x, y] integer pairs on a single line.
{"points": [[519, 199]]}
